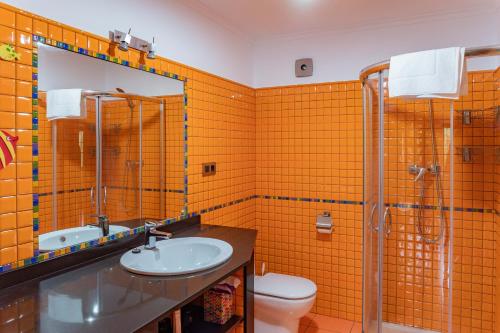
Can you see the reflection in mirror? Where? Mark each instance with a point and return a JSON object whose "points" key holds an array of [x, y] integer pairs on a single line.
{"points": [[116, 163]]}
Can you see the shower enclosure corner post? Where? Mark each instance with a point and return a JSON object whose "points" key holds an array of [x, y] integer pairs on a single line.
{"points": [[451, 219], [141, 161], [98, 154], [373, 199], [162, 161], [381, 203]]}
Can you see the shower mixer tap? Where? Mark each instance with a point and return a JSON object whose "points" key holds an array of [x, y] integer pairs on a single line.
{"points": [[420, 171]]}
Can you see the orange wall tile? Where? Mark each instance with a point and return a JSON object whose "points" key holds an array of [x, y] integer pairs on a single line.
{"points": [[496, 88], [309, 145]]}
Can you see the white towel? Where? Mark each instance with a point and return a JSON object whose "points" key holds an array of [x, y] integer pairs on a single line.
{"points": [[65, 103], [429, 74]]}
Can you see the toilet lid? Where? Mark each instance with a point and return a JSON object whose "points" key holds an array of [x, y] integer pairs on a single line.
{"points": [[284, 286]]}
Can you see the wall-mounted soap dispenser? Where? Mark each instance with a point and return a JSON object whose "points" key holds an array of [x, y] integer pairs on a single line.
{"points": [[324, 223]]}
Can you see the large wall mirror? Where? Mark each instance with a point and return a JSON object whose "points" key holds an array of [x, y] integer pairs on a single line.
{"points": [[121, 156]]}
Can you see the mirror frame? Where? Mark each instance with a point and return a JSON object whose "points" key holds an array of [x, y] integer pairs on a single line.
{"points": [[45, 256]]}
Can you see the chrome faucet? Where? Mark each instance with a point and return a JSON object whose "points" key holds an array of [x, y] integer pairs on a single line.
{"points": [[150, 234], [103, 224]]}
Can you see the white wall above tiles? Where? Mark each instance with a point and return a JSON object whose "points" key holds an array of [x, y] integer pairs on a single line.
{"points": [[341, 55], [58, 70], [256, 42], [182, 34]]}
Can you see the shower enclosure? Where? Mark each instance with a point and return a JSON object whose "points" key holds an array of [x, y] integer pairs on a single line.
{"points": [[422, 175], [112, 160]]}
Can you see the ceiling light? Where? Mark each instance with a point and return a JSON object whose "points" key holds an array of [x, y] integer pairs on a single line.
{"points": [[303, 3]]}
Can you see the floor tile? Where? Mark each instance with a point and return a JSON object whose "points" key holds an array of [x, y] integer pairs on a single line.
{"points": [[357, 328], [306, 320], [312, 329], [303, 329], [330, 324]]}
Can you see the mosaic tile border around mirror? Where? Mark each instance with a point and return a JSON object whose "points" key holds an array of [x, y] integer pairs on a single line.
{"points": [[41, 257]]}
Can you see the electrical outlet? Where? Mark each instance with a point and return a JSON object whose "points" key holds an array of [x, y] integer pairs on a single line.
{"points": [[209, 169]]}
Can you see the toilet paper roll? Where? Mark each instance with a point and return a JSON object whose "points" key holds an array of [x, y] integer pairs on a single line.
{"points": [[324, 230]]}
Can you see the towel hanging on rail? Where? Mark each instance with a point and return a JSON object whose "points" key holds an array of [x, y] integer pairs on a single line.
{"points": [[65, 104], [437, 73]]}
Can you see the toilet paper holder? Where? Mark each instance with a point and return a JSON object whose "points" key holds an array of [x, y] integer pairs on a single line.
{"points": [[324, 223]]}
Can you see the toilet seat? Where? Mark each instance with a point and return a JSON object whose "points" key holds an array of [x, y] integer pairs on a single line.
{"points": [[284, 286]]}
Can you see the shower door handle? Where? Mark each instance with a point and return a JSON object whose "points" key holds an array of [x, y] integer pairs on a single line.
{"points": [[370, 221], [92, 198], [387, 222], [105, 199]]}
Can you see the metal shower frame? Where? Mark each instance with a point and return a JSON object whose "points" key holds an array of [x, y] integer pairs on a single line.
{"points": [[98, 96], [377, 70]]}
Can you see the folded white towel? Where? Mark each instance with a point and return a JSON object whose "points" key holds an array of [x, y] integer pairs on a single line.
{"points": [[429, 74], [65, 103]]}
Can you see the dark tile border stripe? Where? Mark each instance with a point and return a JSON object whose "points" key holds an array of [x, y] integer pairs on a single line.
{"points": [[50, 255], [45, 194], [395, 205]]}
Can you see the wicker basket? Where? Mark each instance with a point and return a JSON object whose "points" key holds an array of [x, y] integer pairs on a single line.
{"points": [[218, 306]]}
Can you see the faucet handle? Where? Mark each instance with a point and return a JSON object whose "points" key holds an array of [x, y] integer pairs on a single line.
{"points": [[103, 218], [148, 225], [100, 217]]}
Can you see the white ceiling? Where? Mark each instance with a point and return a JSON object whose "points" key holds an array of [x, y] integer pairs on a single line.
{"points": [[267, 19]]}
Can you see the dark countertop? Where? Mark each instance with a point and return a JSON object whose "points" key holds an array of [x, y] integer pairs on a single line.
{"points": [[104, 297]]}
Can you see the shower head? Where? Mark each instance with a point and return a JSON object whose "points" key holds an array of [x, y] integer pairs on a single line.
{"points": [[129, 101]]}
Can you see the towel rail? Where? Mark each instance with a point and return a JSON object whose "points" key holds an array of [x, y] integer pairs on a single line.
{"points": [[120, 95], [470, 52]]}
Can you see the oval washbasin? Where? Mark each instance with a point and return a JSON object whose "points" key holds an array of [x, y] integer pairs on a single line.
{"points": [[178, 256], [59, 239]]}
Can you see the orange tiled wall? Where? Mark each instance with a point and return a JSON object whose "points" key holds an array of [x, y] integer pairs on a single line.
{"points": [[221, 128], [309, 146], [16, 186], [474, 289], [497, 205]]}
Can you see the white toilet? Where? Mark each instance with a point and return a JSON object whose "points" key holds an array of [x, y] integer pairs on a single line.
{"points": [[280, 302]]}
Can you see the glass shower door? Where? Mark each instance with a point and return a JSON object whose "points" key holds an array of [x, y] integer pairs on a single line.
{"points": [[130, 175], [121, 161], [373, 202], [73, 170], [406, 272]]}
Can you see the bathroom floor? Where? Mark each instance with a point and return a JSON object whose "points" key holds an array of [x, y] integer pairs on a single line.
{"points": [[315, 323]]}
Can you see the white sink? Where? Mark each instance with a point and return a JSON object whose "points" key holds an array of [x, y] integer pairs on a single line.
{"points": [[178, 256], [59, 239]]}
